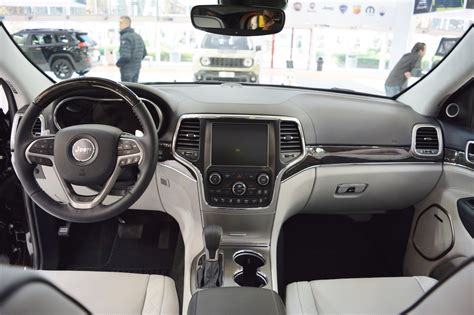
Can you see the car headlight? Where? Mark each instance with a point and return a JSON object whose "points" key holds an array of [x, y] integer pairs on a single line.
{"points": [[248, 62], [205, 61]]}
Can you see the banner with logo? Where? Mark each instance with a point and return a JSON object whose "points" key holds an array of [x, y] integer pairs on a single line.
{"points": [[379, 14], [427, 6]]}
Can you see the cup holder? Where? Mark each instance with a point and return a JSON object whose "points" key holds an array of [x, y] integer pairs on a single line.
{"points": [[249, 276]]}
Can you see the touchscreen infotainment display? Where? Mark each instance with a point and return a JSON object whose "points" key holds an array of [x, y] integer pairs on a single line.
{"points": [[239, 144]]}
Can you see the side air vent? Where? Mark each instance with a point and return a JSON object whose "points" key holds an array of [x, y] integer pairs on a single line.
{"points": [[37, 128], [427, 140], [290, 141], [188, 139]]}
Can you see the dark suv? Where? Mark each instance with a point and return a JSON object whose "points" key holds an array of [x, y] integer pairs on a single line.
{"points": [[61, 51]]}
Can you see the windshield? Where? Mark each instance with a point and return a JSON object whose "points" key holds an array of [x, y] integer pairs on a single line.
{"points": [[378, 47]]}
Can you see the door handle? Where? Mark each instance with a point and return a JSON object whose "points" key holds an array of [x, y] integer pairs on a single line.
{"points": [[470, 151]]}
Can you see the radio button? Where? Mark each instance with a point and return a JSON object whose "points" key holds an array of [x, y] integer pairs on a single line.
{"points": [[263, 179], [215, 178]]}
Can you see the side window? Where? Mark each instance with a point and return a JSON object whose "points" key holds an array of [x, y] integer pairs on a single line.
{"points": [[41, 39], [20, 39], [62, 38]]}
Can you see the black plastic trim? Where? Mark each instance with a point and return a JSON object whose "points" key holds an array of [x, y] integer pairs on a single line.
{"points": [[466, 214]]}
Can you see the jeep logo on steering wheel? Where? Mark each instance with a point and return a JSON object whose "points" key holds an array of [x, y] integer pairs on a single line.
{"points": [[83, 150]]}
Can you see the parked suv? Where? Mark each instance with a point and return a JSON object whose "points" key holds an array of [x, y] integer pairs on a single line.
{"points": [[61, 51], [226, 58]]}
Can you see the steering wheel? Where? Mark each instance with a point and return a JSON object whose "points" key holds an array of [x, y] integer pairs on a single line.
{"points": [[86, 155]]}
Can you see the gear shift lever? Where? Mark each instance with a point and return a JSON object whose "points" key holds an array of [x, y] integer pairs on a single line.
{"points": [[210, 273], [212, 240]]}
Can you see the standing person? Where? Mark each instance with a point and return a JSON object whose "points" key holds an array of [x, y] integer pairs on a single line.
{"points": [[397, 79], [132, 51]]}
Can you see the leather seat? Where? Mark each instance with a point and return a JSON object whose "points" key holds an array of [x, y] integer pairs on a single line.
{"points": [[356, 296], [98, 292], [404, 295]]}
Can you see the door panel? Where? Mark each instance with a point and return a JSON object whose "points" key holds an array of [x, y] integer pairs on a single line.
{"points": [[456, 183]]}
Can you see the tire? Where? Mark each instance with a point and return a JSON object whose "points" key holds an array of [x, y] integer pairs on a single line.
{"points": [[62, 68]]}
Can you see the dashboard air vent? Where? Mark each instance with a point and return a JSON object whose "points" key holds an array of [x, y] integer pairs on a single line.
{"points": [[427, 141], [290, 141], [188, 139], [37, 128]]}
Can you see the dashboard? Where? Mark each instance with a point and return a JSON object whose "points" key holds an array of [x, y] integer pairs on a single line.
{"points": [[233, 155], [241, 143]]}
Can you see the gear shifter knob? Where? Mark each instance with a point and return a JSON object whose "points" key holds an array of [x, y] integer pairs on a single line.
{"points": [[212, 240]]}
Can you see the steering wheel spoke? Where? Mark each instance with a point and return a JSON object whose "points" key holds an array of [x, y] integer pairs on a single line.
{"points": [[89, 202], [129, 151], [41, 151]]}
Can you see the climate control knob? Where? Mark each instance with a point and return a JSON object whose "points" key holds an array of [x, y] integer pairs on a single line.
{"points": [[263, 179], [215, 178], [239, 189]]}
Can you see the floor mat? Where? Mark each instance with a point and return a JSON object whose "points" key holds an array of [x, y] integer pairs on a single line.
{"points": [[100, 246], [314, 247]]}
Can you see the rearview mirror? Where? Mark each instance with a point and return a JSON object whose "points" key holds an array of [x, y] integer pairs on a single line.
{"points": [[237, 20]]}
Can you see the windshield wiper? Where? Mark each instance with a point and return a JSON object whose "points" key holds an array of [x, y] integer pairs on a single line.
{"points": [[343, 90]]}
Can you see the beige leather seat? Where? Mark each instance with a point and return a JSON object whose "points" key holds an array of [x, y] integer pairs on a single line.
{"points": [[411, 295], [356, 296], [98, 292]]}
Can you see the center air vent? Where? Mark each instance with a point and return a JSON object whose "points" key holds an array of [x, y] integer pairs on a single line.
{"points": [[427, 140], [290, 141], [187, 141]]}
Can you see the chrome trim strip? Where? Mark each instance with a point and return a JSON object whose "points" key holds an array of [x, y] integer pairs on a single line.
{"points": [[360, 164], [62, 102], [452, 105], [457, 158], [259, 274], [204, 205], [467, 156], [248, 252], [413, 140], [458, 165], [368, 153]]}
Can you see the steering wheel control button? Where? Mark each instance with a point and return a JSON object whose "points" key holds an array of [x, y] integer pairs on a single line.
{"points": [[239, 189], [215, 178], [263, 179], [83, 150], [40, 160], [127, 147], [43, 146]]}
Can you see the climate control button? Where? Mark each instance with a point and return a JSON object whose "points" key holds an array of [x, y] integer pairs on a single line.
{"points": [[263, 179], [215, 178], [239, 189]]}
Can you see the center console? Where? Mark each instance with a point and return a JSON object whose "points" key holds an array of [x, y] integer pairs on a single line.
{"points": [[240, 170], [238, 162], [237, 157]]}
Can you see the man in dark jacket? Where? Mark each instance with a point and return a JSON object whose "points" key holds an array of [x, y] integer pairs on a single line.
{"points": [[404, 69], [132, 51]]}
